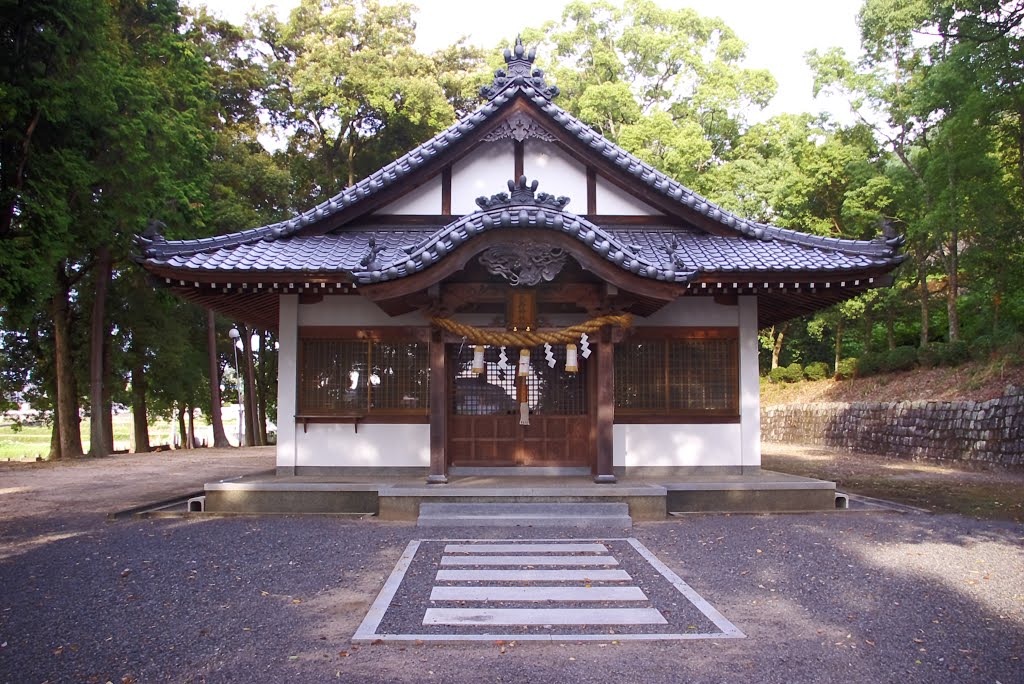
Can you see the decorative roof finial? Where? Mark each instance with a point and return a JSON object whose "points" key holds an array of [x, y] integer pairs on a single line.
{"points": [[519, 71], [522, 192]]}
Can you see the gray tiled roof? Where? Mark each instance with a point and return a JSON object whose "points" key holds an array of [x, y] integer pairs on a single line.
{"points": [[662, 253], [756, 246]]}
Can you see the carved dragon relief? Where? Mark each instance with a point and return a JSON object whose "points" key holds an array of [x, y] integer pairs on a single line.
{"points": [[524, 263]]}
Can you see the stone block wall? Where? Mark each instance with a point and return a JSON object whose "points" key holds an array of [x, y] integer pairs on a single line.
{"points": [[982, 432]]}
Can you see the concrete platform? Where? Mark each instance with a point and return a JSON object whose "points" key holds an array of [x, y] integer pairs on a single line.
{"points": [[399, 498], [608, 516]]}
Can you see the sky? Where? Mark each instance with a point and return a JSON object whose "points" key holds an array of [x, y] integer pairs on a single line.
{"points": [[778, 33]]}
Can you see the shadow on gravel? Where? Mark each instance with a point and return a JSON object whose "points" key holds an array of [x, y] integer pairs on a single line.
{"points": [[871, 597]]}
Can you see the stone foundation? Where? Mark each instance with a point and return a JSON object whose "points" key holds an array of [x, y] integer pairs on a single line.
{"points": [[980, 432]]}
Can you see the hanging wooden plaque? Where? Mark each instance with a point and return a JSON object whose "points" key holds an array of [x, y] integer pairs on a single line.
{"points": [[521, 310]]}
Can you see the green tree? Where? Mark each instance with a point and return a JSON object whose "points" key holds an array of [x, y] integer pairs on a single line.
{"points": [[667, 84], [349, 89]]}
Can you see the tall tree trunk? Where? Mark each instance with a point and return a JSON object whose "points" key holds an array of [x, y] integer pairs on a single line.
{"points": [[108, 384], [922, 277], [890, 328], [99, 438], [869, 324], [140, 421], [953, 286], [351, 161], [220, 439], [54, 441], [777, 345], [261, 391], [249, 396], [839, 343], [182, 431], [67, 394], [191, 427]]}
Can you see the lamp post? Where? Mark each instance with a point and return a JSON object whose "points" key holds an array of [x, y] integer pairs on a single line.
{"points": [[234, 335]]}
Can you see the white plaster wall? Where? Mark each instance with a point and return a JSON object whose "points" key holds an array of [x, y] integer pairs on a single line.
{"points": [[287, 382], [676, 445], [750, 387], [485, 172], [727, 444], [693, 311], [351, 310], [558, 173], [374, 446], [426, 199], [612, 200]]}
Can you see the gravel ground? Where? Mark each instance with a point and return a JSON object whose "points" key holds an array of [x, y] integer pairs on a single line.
{"points": [[843, 597]]}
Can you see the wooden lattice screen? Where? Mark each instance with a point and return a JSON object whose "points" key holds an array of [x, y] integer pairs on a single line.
{"points": [[364, 377], [677, 376], [550, 390]]}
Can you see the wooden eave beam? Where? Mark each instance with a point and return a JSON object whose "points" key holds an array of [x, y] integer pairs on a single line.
{"points": [[237, 278], [457, 295]]}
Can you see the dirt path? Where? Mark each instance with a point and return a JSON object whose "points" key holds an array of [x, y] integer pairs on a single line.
{"points": [[106, 485], [995, 493]]}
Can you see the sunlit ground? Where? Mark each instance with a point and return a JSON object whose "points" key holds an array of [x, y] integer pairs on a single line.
{"points": [[942, 487]]}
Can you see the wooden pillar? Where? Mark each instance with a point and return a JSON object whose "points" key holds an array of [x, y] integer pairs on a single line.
{"points": [[438, 409], [605, 408]]}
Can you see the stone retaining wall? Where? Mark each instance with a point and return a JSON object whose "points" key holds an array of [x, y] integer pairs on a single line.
{"points": [[983, 432]]}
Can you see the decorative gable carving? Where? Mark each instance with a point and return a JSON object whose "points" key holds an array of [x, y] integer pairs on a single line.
{"points": [[519, 127]]}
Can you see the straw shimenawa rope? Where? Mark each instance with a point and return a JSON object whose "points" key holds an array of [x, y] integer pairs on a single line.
{"points": [[533, 338]]}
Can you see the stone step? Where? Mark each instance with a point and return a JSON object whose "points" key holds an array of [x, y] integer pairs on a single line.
{"points": [[605, 515]]}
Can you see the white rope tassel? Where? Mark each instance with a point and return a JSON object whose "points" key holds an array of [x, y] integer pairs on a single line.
{"points": [[524, 413], [524, 362], [571, 364], [478, 359]]}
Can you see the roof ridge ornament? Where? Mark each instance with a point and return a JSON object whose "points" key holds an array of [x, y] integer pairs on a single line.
{"points": [[521, 193], [519, 71]]}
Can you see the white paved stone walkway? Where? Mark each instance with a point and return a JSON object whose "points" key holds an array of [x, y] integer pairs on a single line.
{"points": [[483, 585]]}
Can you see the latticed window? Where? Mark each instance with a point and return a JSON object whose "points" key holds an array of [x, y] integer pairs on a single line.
{"points": [[695, 375], [363, 377], [550, 390]]}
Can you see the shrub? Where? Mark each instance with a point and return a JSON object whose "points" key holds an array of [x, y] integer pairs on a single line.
{"points": [[982, 348], [816, 371], [794, 373], [870, 364], [928, 356], [846, 369], [791, 373], [1009, 342], [954, 353], [900, 359]]}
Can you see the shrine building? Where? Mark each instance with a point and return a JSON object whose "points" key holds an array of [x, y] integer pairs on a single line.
{"points": [[518, 294]]}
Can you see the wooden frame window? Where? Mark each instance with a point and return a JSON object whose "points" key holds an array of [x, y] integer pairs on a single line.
{"points": [[662, 375], [365, 378]]}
